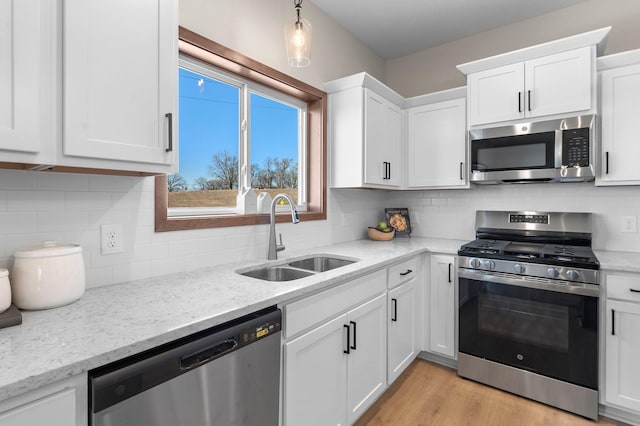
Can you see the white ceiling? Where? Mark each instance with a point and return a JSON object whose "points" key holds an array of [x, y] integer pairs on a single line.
{"points": [[395, 28]]}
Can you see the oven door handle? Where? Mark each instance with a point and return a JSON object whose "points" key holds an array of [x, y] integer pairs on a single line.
{"points": [[524, 281]]}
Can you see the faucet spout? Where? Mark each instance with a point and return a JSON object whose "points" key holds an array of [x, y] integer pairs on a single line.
{"points": [[274, 247]]}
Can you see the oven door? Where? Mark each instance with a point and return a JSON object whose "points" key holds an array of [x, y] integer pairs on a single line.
{"points": [[520, 322]]}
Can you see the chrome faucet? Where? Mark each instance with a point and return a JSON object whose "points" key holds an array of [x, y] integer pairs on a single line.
{"points": [[274, 248]]}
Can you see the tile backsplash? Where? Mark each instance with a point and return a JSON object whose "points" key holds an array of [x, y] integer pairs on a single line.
{"points": [[69, 208], [451, 213]]}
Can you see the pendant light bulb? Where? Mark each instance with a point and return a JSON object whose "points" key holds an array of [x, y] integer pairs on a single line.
{"points": [[298, 39]]}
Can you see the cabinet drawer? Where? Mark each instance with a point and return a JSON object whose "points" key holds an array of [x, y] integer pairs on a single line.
{"points": [[300, 315], [402, 272], [625, 287]]}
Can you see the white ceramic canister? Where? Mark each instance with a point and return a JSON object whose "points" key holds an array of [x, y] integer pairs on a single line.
{"points": [[5, 290], [47, 277]]}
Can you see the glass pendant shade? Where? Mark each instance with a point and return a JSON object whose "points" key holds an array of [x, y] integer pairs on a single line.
{"points": [[298, 41]]}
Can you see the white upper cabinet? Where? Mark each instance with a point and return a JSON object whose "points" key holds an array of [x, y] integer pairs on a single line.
{"points": [[120, 84], [364, 133], [550, 85], [437, 144], [553, 79], [620, 109], [27, 81]]}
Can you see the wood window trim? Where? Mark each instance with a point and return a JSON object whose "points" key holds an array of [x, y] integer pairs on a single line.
{"points": [[199, 47]]}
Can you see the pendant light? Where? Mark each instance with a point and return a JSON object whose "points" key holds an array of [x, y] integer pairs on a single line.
{"points": [[298, 39]]}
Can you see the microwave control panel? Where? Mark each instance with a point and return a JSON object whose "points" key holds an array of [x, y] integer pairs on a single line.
{"points": [[575, 147]]}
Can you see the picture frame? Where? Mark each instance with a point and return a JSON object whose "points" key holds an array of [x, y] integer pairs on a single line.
{"points": [[398, 219]]}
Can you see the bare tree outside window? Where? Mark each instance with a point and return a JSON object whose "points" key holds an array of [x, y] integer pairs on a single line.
{"points": [[224, 168]]}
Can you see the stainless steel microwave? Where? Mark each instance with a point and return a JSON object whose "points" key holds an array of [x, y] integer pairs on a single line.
{"points": [[547, 151]]}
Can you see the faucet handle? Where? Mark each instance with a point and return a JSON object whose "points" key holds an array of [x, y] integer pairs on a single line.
{"points": [[280, 247]]}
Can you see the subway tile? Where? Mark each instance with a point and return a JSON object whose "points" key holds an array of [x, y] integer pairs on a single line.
{"points": [[131, 271], [17, 180], [18, 242], [18, 223], [25, 201], [85, 200], [63, 221], [3, 201], [98, 277], [62, 181], [112, 183]]}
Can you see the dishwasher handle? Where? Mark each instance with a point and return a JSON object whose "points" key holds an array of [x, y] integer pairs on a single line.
{"points": [[209, 354]]}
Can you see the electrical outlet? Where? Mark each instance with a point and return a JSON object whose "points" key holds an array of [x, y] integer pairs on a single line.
{"points": [[628, 224], [111, 239]]}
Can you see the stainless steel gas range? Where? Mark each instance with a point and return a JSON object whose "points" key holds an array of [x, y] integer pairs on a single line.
{"points": [[528, 307]]}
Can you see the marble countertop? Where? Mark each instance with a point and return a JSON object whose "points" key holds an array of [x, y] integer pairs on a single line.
{"points": [[110, 323], [618, 260]]}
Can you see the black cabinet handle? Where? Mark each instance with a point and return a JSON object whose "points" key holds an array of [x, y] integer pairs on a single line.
{"points": [[519, 101], [395, 310], [348, 350], [354, 334], [606, 162], [388, 170], [449, 272], [529, 100], [461, 170], [613, 322], [633, 290], [169, 116], [406, 273]]}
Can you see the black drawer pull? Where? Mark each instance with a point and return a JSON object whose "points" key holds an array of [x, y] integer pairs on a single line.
{"points": [[613, 322], [354, 334], [406, 273], [394, 318], [348, 350], [633, 290], [169, 131]]}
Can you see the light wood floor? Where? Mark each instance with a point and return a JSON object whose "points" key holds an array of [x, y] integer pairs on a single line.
{"points": [[430, 394]]}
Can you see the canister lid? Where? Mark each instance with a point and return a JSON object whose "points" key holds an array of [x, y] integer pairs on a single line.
{"points": [[50, 249], [4, 272]]}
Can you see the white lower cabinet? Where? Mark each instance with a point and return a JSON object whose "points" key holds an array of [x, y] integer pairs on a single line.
{"points": [[63, 403], [442, 309], [402, 328], [622, 341], [337, 369]]}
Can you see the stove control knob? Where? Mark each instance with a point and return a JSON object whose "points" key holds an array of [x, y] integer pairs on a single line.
{"points": [[553, 272], [475, 263], [573, 275], [519, 268], [490, 265]]}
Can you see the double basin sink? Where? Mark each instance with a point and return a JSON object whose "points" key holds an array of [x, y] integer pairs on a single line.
{"points": [[298, 268]]}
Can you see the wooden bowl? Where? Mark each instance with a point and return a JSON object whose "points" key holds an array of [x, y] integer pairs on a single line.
{"points": [[376, 235]]}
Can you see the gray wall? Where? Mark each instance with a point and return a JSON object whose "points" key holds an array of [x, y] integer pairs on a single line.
{"points": [[434, 69]]}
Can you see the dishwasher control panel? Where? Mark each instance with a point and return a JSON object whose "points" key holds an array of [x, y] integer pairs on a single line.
{"points": [[258, 332]]}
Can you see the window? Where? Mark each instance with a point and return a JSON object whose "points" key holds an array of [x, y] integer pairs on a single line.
{"points": [[242, 125]]}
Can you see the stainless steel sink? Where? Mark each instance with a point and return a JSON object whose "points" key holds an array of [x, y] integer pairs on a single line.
{"points": [[296, 269], [320, 263], [277, 273]]}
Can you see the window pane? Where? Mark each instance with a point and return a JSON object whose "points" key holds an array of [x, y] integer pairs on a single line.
{"points": [[274, 147], [208, 134]]}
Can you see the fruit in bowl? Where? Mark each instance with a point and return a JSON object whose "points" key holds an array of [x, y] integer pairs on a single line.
{"points": [[381, 232]]}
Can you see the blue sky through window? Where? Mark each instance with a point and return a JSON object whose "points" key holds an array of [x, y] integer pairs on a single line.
{"points": [[209, 123]]}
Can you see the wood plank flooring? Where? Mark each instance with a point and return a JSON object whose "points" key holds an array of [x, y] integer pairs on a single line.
{"points": [[430, 394]]}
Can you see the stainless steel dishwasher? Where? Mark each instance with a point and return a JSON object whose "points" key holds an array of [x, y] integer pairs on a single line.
{"points": [[227, 375]]}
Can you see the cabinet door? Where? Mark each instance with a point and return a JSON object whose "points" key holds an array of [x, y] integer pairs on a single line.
{"points": [[402, 324], [120, 82], [27, 45], [55, 410], [381, 141], [559, 83], [315, 376], [622, 354], [437, 145], [367, 360], [496, 95], [620, 110], [442, 312]]}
